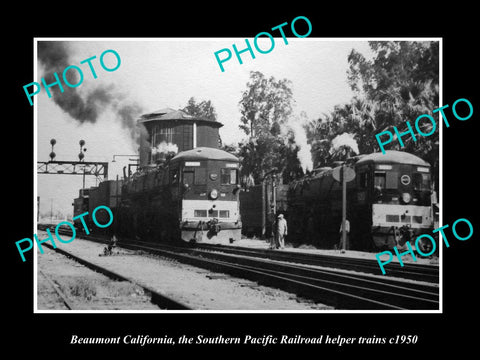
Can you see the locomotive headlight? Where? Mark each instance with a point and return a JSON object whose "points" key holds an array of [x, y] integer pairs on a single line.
{"points": [[213, 194], [406, 197]]}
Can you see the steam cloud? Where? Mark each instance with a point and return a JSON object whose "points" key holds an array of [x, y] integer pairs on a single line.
{"points": [[165, 147], [84, 107], [345, 139], [304, 153]]}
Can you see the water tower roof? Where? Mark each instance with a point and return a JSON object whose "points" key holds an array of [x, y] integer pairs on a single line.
{"points": [[171, 114]]}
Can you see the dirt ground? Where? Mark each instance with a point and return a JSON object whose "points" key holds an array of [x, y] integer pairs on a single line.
{"points": [[84, 288]]}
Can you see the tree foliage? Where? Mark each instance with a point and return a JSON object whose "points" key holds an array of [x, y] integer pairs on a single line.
{"points": [[398, 84], [401, 82], [266, 107], [203, 109]]}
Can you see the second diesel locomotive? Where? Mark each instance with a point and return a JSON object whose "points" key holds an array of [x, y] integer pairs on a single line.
{"points": [[388, 203]]}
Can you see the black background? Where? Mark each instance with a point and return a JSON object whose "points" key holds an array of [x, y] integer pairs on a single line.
{"points": [[50, 333]]}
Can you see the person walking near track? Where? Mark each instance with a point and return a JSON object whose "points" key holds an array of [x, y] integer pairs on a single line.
{"points": [[347, 237], [280, 230]]}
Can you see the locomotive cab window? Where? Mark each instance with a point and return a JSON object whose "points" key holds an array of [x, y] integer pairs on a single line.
{"points": [[421, 181], [229, 176], [363, 180], [392, 180], [200, 176], [173, 176], [195, 176], [188, 176], [380, 179], [386, 179]]}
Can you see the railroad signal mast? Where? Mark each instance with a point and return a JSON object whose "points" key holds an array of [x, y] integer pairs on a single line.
{"points": [[80, 167]]}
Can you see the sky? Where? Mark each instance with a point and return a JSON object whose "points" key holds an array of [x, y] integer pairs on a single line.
{"points": [[160, 73]]}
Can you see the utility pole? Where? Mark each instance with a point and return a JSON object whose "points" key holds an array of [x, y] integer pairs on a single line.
{"points": [[344, 174], [344, 208], [274, 194]]}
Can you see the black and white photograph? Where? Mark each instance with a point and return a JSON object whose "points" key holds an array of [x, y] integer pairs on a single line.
{"points": [[260, 187], [267, 182]]}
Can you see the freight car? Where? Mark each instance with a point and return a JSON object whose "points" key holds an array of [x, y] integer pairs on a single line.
{"points": [[388, 203], [80, 206], [258, 206], [108, 193]]}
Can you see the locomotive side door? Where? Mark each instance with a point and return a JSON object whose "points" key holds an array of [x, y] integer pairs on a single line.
{"points": [[175, 184]]}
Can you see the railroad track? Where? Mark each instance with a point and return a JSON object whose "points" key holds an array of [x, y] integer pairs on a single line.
{"points": [[343, 291], [335, 288], [418, 272], [64, 298], [156, 298], [427, 273]]}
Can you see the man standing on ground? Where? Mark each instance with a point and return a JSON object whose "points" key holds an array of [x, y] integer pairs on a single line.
{"points": [[280, 231]]}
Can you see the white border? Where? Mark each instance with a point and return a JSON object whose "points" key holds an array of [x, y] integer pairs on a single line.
{"points": [[440, 195]]}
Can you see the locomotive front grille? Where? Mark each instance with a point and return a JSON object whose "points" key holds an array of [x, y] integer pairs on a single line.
{"points": [[404, 219], [388, 215], [211, 214], [417, 219], [195, 210]]}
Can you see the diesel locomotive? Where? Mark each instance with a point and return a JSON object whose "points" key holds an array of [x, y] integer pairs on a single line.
{"points": [[191, 194], [193, 197], [388, 203]]}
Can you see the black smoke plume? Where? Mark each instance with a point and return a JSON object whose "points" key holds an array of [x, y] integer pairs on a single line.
{"points": [[84, 106]]}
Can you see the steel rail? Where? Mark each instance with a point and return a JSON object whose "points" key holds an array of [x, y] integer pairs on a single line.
{"points": [[66, 301], [161, 300], [425, 287], [339, 290], [420, 272]]}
